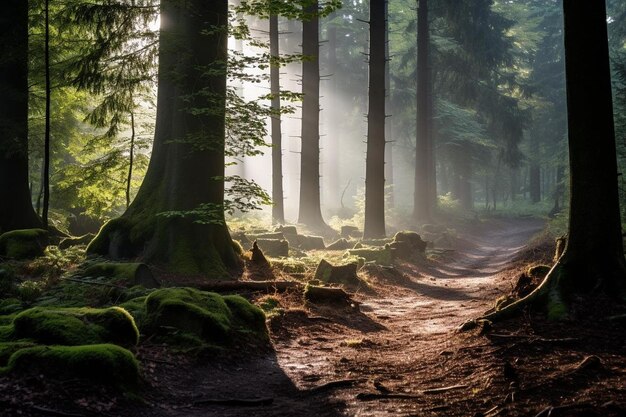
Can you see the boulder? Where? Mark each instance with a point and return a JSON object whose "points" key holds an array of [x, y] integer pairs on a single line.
{"points": [[23, 244], [274, 247]]}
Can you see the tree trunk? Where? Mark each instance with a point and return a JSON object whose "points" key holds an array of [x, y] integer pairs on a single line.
{"points": [[310, 211], [422, 206], [278, 209], [333, 190], [46, 146], [131, 158], [16, 209], [388, 121], [594, 254], [535, 171], [375, 159], [186, 170]]}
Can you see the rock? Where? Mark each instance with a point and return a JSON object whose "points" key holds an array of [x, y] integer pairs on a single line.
{"points": [[325, 295], [287, 230], [380, 256], [23, 244], [350, 231], [341, 244], [274, 247], [311, 242], [273, 236], [340, 274], [242, 238], [407, 245], [131, 273]]}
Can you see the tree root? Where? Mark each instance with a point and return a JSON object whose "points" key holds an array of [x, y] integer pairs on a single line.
{"points": [[547, 292], [269, 287]]}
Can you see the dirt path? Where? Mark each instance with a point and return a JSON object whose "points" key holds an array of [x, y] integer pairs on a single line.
{"points": [[398, 341]]}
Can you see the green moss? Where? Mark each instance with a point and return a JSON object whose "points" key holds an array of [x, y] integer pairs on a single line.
{"points": [[9, 306], [104, 363], [209, 316], [136, 307], [381, 256], [76, 326], [557, 309], [23, 244], [9, 348]]}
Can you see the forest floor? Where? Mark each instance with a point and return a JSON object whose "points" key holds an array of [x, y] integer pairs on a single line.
{"points": [[395, 352]]}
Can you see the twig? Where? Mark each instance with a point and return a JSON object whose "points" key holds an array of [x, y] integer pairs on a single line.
{"points": [[443, 389], [52, 412], [238, 402], [342, 383]]}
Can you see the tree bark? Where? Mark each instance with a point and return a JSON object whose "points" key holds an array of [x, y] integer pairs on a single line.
{"points": [[422, 206], [186, 169], [310, 211], [535, 171], [46, 146], [278, 209], [16, 209], [594, 254], [375, 159], [388, 121]]}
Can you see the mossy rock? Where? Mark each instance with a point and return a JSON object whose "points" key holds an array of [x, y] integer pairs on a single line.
{"points": [[218, 320], [337, 274], [350, 231], [311, 242], [274, 247], [76, 326], [23, 244], [287, 230], [130, 272], [341, 244], [380, 256], [376, 242], [407, 245], [103, 363]]}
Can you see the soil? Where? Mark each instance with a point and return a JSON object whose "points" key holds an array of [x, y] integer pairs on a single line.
{"points": [[395, 351]]}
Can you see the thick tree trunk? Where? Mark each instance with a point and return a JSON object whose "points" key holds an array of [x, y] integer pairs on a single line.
{"points": [[388, 121], [186, 169], [278, 209], [594, 254], [422, 204], [310, 211], [375, 159], [16, 209], [46, 146], [333, 117]]}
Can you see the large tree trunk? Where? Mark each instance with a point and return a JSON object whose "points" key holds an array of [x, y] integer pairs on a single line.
{"points": [[388, 121], [422, 204], [333, 117], [186, 170], [278, 209], [16, 209], [593, 258], [310, 211], [594, 253], [375, 159]]}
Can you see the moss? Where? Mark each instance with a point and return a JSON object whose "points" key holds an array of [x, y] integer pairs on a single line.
{"points": [[538, 271], [290, 265], [136, 307], [557, 309], [215, 319], [104, 363], [130, 273], [23, 244], [9, 306], [9, 348], [271, 306], [381, 256], [237, 247], [76, 326]]}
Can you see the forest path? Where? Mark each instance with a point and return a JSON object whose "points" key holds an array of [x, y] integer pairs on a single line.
{"points": [[399, 339]]}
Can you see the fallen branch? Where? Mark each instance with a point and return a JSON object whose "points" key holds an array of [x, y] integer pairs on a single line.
{"points": [[237, 402]]}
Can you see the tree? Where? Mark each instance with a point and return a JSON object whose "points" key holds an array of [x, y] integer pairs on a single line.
{"points": [[593, 258], [278, 210], [310, 211], [16, 210], [375, 160], [423, 204], [177, 218]]}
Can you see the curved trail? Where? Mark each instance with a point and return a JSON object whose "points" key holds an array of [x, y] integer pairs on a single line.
{"points": [[398, 341]]}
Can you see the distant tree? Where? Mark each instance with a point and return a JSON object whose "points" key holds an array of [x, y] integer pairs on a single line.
{"points": [[16, 210], [177, 218], [278, 209], [424, 169], [310, 210], [375, 160], [593, 259]]}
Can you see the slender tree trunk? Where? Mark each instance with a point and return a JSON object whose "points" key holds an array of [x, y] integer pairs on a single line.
{"points": [[388, 121], [278, 209], [16, 209], [594, 254], [535, 171], [131, 157], [333, 190], [375, 160], [310, 211], [46, 149], [422, 206], [465, 186], [186, 170]]}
